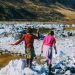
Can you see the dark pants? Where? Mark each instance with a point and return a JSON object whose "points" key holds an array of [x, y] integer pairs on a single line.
{"points": [[29, 62], [49, 67]]}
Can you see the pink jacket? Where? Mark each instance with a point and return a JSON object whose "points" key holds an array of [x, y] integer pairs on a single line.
{"points": [[49, 40]]}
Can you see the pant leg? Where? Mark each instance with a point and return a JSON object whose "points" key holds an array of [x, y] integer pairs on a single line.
{"points": [[50, 56], [28, 56], [28, 62], [32, 57], [31, 60], [49, 67], [50, 60]]}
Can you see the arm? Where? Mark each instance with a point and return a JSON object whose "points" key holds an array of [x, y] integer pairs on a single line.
{"points": [[42, 48], [55, 46], [42, 45], [16, 43], [37, 36]]}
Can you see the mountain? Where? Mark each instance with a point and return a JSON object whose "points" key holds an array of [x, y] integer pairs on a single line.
{"points": [[68, 3], [37, 10]]}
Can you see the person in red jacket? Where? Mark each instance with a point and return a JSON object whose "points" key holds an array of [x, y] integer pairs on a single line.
{"points": [[28, 38]]}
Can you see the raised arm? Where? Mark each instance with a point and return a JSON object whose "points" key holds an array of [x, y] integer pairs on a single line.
{"points": [[37, 36]]}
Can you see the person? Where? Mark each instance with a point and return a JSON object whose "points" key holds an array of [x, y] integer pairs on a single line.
{"points": [[48, 42], [28, 38]]}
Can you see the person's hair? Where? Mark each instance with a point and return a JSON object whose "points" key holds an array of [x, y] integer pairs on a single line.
{"points": [[51, 33], [29, 30]]}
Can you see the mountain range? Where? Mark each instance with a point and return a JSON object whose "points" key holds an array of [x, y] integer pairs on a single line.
{"points": [[37, 10]]}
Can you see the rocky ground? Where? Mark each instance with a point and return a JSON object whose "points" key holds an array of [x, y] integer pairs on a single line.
{"points": [[63, 62]]}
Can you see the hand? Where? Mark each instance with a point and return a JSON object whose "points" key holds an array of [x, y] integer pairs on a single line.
{"points": [[41, 51], [12, 44], [37, 30], [55, 52]]}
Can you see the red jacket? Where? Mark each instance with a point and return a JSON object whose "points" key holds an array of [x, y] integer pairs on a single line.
{"points": [[28, 39]]}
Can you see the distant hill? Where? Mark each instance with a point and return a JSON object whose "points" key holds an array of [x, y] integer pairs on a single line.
{"points": [[37, 10]]}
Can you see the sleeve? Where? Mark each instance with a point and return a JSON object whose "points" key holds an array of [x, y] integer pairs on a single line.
{"points": [[54, 40], [16, 43]]}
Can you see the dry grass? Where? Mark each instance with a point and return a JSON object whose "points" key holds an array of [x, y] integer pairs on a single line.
{"points": [[4, 59], [36, 8], [70, 28], [69, 15]]}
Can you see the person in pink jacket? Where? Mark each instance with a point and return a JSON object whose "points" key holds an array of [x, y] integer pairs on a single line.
{"points": [[49, 42]]}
